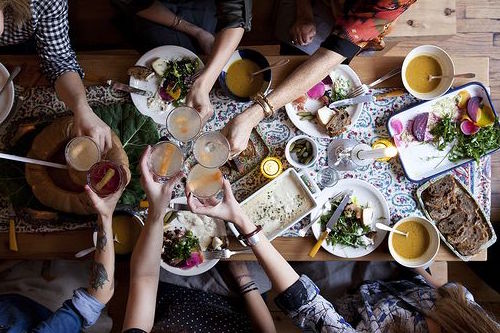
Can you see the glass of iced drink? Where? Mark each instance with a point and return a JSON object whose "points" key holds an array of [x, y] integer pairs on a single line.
{"points": [[184, 123], [165, 161], [204, 182], [82, 153], [211, 149], [105, 178]]}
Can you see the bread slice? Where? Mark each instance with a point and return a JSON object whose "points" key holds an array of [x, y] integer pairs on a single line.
{"points": [[140, 72], [338, 122]]}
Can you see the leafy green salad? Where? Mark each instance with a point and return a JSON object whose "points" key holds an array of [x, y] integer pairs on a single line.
{"points": [[353, 227]]}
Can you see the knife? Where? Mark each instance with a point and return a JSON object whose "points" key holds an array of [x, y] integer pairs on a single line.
{"points": [[179, 206], [12, 229], [331, 223], [11, 77], [125, 87], [352, 101]]}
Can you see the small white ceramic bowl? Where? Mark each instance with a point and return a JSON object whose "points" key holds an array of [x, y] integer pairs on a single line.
{"points": [[429, 255], [447, 68], [292, 157]]}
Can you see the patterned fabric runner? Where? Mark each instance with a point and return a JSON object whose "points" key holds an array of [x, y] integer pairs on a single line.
{"points": [[42, 103]]}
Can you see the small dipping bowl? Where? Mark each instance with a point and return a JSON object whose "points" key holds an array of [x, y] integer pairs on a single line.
{"points": [[447, 69], [425, 259], [292, 157], [257, 58]]}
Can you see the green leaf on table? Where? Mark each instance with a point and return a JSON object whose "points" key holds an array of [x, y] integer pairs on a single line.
{"points": [[135, 131]]}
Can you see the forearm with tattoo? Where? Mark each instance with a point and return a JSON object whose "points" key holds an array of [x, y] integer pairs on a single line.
{"points": [[102, 268]]}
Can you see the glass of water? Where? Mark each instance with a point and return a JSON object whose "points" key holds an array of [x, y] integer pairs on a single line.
{"points": [[327, 177]]}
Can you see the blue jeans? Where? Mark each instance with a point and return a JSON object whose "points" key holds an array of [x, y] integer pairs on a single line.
{"points": [[21, 314]]}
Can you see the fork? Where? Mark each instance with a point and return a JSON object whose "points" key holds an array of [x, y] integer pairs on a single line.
{"points": [[190, 79], [363, 89], [223, 254]]}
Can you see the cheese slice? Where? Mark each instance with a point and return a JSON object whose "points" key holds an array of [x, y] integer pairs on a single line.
{"points": [[324, 115]]}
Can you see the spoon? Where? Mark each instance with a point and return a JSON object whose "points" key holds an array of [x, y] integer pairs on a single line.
{"points": [[83, 253], [465, 75], [11, 77], [382, 226], [282, 62]]}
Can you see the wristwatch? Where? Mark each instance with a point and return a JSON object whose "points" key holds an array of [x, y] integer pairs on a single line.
{"points": [[252, 238]]}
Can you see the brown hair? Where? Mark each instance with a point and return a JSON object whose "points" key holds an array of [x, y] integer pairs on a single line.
{"points": [[456, 314], [18, 10]]}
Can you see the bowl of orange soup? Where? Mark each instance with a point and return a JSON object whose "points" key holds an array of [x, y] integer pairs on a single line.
{"points": [[423, 61], [420, 247], [236, 78]]}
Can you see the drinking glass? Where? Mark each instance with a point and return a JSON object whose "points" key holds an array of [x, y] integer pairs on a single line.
{"points": [[211, 149], [81, 153], [165, 161], [327, 177], [184, 124], [105, 178], [203, 182]]}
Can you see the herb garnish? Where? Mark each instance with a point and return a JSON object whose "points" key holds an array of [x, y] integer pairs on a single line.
{"points": [[444, 132]]}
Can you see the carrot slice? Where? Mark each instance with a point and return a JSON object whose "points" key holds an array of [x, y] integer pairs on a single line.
{"points": [[167, 159], [107, 177]]}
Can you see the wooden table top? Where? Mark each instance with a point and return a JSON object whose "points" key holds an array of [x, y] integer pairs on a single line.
{"points": [[113, 65]]}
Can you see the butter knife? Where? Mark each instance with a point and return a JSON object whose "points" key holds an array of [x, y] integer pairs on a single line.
{"points": [[125, 87], [352, 101]]}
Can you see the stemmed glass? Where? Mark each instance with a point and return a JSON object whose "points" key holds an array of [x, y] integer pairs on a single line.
{"points": [[211, 149], [184, 125]]}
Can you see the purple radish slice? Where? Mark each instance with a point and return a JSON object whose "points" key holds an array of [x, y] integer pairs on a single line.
{"points": [[164, 95], [397, 126], [419, 127], [317, 91], [327, 80], [468, 127], [474, 108], [192, 261]]}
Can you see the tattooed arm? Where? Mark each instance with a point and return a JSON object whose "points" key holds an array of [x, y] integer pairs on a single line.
{"points": [[101, 282]]}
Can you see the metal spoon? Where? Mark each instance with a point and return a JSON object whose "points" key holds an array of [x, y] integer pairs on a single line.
{"points": [[12, 76], [382, 226], [465, 75], [83, 253], [282, 62]]}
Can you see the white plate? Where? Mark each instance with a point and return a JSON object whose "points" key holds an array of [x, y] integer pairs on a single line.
{"points": [[311, 127], [422, 161], [7, 97], [365, 192], [206, 265], [169, 52]]}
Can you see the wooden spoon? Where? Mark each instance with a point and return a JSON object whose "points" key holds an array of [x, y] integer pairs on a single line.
{"points": [[465, 75], [382, 226]]}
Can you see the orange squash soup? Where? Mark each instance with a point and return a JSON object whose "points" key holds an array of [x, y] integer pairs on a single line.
{"points": [[126, 230], [418, 71], [239, 78], [415, 244]]}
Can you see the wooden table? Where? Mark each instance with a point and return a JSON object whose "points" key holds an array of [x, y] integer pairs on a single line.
{"points": [[113, 65]]}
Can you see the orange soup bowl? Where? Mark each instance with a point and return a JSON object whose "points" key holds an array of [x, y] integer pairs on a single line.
{"points": [[427, 255]]}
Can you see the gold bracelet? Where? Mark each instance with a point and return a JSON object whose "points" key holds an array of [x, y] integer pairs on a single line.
{"points": [[264, 103]]}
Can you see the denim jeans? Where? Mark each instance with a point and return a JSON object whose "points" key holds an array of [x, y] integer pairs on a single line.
{"points": [[21, 314]]}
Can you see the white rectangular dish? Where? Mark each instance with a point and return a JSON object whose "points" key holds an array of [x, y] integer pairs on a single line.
{"points": [[281, 203], [422, 160]]}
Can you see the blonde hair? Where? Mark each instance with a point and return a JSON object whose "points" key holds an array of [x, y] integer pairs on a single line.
{"points": [[456, 314], [18, 10]]}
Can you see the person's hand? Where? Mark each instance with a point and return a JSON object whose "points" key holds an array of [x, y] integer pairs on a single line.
{"points": [[104, 206], [158, 194], [205, 41], [237, 132], [86, 122], [228, 209], [198, 98], [303, 31]]}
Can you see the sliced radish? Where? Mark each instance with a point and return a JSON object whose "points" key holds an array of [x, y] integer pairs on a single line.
{"points": [[317, 91], [468, 127]]}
